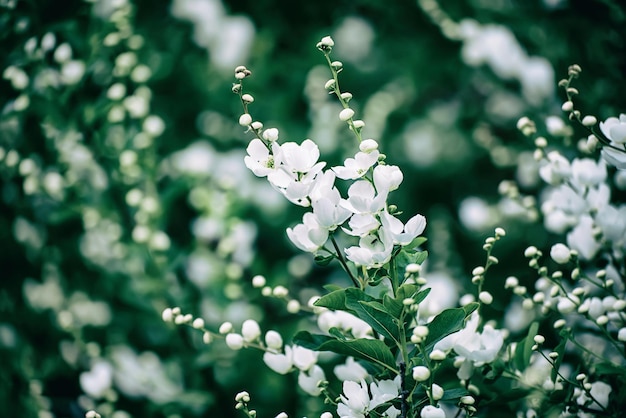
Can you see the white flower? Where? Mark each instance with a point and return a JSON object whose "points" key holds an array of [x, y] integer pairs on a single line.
{"points": [[587, 172], [355, 400], [362, 224], [280, 363], [303, 358], [326, 202], [615, 130], [362, 198], [98, 380], [612, 222], [430, 411], [403, 234], [259, 159], [472, 346], [351, 370], [374, 250], [560, 253], [308, 380], [582, 238], [387, 178], [556, 169], [308, 236], [297, 158], [354, 168], [383, 391]]}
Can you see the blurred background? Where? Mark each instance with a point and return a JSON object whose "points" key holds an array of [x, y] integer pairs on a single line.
{"points": [[123, 189]]}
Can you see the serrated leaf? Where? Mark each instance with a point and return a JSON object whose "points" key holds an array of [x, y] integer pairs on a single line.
{"points": [[373, 351], [524, 350], [447, 322]]}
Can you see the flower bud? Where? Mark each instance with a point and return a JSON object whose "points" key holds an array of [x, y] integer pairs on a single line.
{"points": [[421, 373], [436, 392], [273, 340], [245, 119], [250, 330], [234, 341], [346, 114]]}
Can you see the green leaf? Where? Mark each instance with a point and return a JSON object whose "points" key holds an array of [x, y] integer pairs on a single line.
{"points": [[373, 351], [335, 300], [323, 260], [604, 369], [524, 350], [379, 318], [454, 394], [447, 322], [393, 306], [407, 256]]}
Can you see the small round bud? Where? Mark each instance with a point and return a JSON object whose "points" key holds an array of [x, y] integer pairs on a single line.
{"points": [[541, 142], [589, 121], [412, 268], [437, 355], [500, 232], [225, 328], [245, 119], [280, 291], [337, 65], [559, 323], [326, 43], [568, 106], [358, 124], [478, 271], [485, 297], [346, 114], [207, 337], [242, 397], [368, 145], [539, 339], [436, 392], [273, 340], [247, 98], [258, 281], [234, 341], [530, 251], [293, 306], [250, 330], [330, 84], [421, 373], [198, 323], [510, 282], [346, 96], [467, 400], [256, 125], [167, 315], [420, 331]]}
